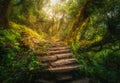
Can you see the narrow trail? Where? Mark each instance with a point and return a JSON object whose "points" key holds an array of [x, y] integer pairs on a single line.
{"points": [[61, 66]]}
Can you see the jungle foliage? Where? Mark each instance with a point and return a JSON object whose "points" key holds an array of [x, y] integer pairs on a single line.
{"points": [[90, 27], [17, 55], [95, 40]]}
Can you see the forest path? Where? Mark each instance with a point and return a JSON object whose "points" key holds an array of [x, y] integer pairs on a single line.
{"points": [[61, 65]]}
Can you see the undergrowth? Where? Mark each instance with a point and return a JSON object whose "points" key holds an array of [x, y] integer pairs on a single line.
{"points": [[102, 66], [17, 61]]}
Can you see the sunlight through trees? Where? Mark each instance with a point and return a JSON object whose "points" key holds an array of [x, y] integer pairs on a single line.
{"points": [[90, 28]]}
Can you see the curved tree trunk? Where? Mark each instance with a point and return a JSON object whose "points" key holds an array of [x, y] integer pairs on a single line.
{"points": [[4, 13], [82, 16]]}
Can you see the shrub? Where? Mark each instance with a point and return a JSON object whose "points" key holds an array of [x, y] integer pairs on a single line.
{"points": [[16, 62], [102, 66]]}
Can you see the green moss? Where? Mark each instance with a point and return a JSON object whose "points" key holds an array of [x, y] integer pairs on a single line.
{"points": [[17, 55], [102, 66]]}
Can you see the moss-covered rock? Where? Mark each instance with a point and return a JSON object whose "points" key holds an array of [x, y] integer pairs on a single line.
{"points": [[18, 47], [29, 38]]}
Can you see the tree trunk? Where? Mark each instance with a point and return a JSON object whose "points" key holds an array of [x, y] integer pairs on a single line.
{"points": [[4, 13], [82, 16]]}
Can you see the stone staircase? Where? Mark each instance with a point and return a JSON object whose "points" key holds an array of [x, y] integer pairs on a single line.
{"points": [[61, 66]]}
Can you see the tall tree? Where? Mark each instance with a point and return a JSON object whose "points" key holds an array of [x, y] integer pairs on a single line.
{"points": [[88, 7], [4, 13]]}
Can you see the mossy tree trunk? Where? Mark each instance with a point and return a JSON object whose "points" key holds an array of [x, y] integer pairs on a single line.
{"points": [[4, 13], [81, 17]]}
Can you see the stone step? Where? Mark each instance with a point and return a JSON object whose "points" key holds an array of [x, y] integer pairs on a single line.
{"points": [[54, 57], [63, 68], [58, 45], [59, 51], [58, 48], [60, 65], [56, 42], [82, 80], [43, 81], [63, 62], [64, 77], [46, 58], [65, 55]]}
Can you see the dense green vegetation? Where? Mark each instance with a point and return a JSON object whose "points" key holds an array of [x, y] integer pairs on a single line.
{"points": [[17, 56], [102, 64], [90, 27]]}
